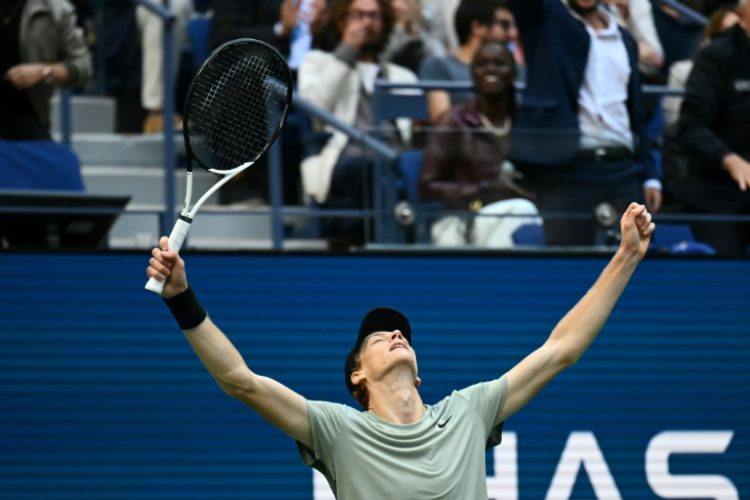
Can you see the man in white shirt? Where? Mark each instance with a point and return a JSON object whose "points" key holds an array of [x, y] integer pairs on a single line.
{"points": [[582, 85]]}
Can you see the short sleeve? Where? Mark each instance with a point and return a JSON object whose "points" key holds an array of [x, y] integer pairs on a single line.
{"points": [[487, 400], [434, 68], [326, 421]]}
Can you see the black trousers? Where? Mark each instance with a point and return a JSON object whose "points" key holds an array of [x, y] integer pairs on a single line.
{"points": [[567, 196]]}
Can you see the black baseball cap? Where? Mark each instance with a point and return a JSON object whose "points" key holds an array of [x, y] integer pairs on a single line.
{"points": [[380, 319]]}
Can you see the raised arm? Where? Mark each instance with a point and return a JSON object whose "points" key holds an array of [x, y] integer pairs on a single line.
{"points": [[580, 326], [275, 402]]}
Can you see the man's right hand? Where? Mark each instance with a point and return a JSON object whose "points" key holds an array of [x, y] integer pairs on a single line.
{"points": [[739, 169], [166, 265]]}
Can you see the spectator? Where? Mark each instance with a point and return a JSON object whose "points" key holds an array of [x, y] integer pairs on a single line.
{"points": [[42, 49], [465, 166], [583, 95], [476, 21], [151, 28], [117, 29], [721, 20], [410, 42], [714, 128], [342, 82], [309, 13], [271, 21], [637, 17], [440, 14]]}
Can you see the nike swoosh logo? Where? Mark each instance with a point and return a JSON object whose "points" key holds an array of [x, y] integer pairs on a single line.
{"points": [[444, 422]]}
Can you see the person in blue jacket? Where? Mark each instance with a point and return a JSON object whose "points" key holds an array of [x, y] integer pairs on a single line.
{"points": [[580, 136]]}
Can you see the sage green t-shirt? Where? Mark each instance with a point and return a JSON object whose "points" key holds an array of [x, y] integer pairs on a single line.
{"points": [[441, 456]]}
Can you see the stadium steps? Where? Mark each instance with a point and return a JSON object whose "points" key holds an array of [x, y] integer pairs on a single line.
{"points": [[114, 164], [119, 164]]}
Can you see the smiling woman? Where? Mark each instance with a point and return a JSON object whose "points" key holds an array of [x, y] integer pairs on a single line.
{"points": [[465, 164]]}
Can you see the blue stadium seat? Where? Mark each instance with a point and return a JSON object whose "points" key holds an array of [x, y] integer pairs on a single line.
{"points": [[39, 165], [530, 235], [678, 239], [410, 168]]}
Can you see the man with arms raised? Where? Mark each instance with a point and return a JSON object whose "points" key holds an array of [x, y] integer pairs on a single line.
{"points": [[398, 447]]}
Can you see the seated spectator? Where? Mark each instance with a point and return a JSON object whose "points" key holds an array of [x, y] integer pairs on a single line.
{"points": [[42, 49], [410, 42], [583, 96], [713, 129], [342, 82], [476, 21], [465, 165], [151, 28], [721, 20]]}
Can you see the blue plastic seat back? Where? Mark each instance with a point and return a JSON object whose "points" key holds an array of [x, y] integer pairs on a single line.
{"points": [[39, 165]]}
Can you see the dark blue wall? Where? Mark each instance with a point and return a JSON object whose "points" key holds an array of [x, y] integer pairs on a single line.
{"points": [[102, 397]]}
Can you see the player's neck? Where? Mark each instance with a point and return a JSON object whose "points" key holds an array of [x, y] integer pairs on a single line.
{"points": [[396, 401]]}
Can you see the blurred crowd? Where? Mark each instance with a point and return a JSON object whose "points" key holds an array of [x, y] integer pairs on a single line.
{"points": [[564, 76]]}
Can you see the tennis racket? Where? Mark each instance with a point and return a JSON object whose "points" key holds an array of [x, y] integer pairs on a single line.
{"points": [[236, 106]]}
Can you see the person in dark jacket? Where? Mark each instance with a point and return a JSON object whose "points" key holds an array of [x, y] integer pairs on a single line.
{"points": [[714, 131], [580, 135], [271, 21]]}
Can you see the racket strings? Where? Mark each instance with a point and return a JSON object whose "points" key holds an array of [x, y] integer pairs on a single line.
{"points": [[236, 106]]}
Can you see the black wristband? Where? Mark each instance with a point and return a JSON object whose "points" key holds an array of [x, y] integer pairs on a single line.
{"points": [[186, 309]]}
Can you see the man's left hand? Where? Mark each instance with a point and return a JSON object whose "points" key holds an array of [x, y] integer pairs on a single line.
{"points": [[636, 229]]}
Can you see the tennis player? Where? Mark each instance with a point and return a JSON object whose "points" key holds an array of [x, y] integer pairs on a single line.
{"points": [[399, 447]]}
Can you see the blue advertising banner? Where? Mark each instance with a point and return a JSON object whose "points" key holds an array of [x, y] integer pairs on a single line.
{"points": [[103, 398]]}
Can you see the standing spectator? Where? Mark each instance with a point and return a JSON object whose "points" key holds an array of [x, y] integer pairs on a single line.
{"points": [[271, 21], [151, 28], [714, 128], [342, 82], [465, 163], [119, 49], [476, 21], [583, 92], [42, 49], [721, 20]]}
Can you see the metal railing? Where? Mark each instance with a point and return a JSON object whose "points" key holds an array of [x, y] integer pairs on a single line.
{"points": [[685, 11]]}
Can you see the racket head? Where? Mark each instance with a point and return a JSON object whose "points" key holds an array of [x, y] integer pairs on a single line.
{"points": [[236, 105]]}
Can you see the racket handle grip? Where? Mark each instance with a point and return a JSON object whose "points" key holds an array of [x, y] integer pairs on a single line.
{"points": [[176, 239]]}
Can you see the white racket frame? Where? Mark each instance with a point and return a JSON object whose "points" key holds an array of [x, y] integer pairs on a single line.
{"points": [[182, 226]]}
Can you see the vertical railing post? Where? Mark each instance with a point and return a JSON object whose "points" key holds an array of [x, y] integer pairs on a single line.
{"points": [[65, 118], [168, 216], [275, 189]]}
